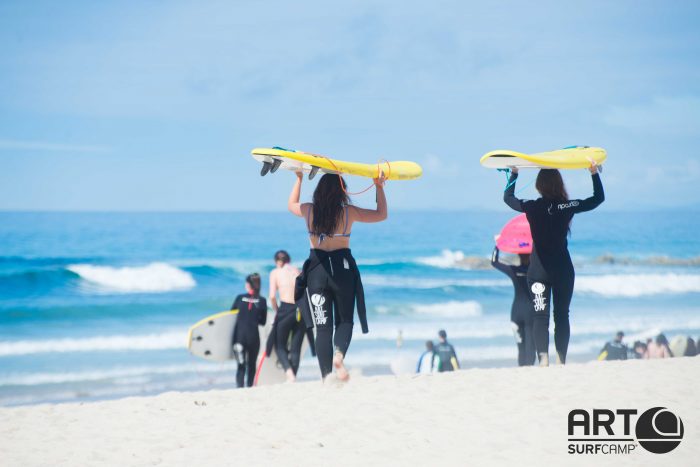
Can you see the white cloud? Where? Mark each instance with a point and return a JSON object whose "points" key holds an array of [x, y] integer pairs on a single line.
{"points": [[670, 115]]}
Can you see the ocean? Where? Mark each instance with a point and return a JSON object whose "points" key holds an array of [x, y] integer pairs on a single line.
{"points": [[97, 305]]}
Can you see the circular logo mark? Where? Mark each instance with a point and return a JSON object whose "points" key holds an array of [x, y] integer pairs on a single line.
{"points": [[537, 288], [659, 430], [317, 299]]}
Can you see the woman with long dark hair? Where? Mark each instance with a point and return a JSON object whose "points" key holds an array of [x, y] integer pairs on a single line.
{"points": [[330, 284], [551, 272]]}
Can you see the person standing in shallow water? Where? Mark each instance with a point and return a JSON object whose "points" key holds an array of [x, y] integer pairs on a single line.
{"points": [[330, 284], [551, 272]]}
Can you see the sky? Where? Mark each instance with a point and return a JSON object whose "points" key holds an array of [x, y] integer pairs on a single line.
{"points": [[155, 105]]}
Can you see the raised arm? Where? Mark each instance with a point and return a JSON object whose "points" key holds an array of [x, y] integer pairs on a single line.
{"points": [[293, 203], [509, 193], [504, 268], [588, 204], [374, 215]]}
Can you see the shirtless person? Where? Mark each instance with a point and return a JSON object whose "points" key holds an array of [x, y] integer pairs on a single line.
{"points": [[288, 326]]}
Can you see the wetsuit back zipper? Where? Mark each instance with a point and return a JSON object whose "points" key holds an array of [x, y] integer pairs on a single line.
{"points": [[331, 263]]}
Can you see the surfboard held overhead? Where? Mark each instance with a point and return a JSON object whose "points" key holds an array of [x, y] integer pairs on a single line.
{"points": [[276, 158], [574, 157]]}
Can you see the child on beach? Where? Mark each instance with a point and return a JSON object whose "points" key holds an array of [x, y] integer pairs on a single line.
{"points": [[252, 312]]}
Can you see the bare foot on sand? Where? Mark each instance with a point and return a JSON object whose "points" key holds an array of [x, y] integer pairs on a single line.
{"points": [[340, 371], [290, 376]]}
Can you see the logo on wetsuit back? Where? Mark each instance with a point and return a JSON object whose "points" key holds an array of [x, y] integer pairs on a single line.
{"points": [[317, 302], [602, 431], [570, 204], [539, 301]]}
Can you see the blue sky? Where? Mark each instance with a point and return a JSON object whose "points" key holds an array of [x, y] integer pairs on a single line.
{"points": [[156, 105]]}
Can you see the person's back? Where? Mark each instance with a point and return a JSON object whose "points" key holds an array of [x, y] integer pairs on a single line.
{"points": [[615, 349]]}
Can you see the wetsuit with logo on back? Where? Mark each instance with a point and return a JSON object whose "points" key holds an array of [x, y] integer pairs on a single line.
{"points": [[252, 312], [551, 271]]}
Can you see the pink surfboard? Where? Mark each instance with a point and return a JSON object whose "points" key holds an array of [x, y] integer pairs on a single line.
{"points": [[515, 237]]}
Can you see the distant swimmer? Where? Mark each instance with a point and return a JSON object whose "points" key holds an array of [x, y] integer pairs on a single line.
{"points": [[252, 312], [330, 280], [551, 272], [445, 356], [522, 313], [615, 349], [288, 329], [426, 362]]}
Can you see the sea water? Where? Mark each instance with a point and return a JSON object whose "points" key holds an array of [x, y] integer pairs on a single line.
{"points": [[97, 305]]}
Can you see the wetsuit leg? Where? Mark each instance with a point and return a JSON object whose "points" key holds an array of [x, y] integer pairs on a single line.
{"points": [[528, 338], [322, 313], [561, 297], [251, 362], [540, 293], [286, 322], [240, 375], [521, 343], [343, 285], [298, 336]]}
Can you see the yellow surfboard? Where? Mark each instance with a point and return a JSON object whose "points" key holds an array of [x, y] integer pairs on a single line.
{"points": [[574, 157], [276, 158]]}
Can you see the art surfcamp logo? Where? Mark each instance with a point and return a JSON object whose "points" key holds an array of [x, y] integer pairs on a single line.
{"points": [[603, 431]]}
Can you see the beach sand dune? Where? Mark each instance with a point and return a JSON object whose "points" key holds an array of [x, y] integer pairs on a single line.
{"points": [[515, 416]]}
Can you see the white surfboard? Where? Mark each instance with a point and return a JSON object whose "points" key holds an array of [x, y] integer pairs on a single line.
{"points": [[212, 337]]}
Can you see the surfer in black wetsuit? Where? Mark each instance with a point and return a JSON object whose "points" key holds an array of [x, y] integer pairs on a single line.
{"points": [[551, 272], [329, 285], [252, 312], [521, 312], [445, 354]]}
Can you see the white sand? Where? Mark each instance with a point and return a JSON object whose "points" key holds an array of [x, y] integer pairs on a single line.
{"points": [[472, 417]]}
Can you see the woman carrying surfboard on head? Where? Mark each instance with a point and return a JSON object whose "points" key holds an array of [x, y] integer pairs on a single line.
{"points": [[551, 272], [330, 284]]}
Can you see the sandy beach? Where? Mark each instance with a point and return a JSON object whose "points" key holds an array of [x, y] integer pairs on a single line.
{"points": [[471, 417]]}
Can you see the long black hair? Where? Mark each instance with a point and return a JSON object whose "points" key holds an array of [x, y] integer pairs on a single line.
{"points": [[329, 200], [254, 281], [551, 186]]}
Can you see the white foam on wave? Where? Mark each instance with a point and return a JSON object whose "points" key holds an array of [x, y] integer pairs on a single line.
{"points": [[403, 282], [152, 278], [638, 285], [451, 309], [446, 259], [121, 376], [156, 341]]}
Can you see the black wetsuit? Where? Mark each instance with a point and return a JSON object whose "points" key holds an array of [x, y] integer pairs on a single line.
{"points": [[551, 271], [522, 313], [445, 353], [287, 337], [252, 312], [614, 351], [326, 292]]}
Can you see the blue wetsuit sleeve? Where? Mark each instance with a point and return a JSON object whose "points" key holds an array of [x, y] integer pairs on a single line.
{"points": [[509, 195], [505, 269], [588, 204]]}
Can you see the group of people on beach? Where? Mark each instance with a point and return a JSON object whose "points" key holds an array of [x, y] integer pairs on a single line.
{"points": [[320, 300], [657, 347]]}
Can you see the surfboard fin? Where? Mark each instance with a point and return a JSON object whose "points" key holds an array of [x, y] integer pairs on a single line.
{"points": [[265, 169], [314, 171], [275, 165]]}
